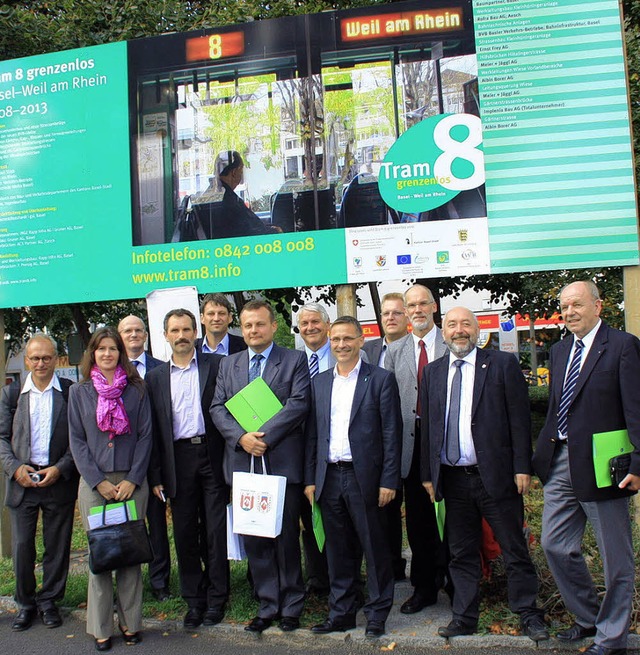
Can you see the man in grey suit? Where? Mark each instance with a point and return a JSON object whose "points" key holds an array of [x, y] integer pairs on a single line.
{"points": [[406, 358], [134, 336], [41, 477], [595, 376], [394, 326], [274, 563], [186, 466]]}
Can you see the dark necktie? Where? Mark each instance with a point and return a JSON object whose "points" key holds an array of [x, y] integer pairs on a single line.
{"points": [[314, 366], [453, 422], [423, 360], [569, 388], [254, 369]]}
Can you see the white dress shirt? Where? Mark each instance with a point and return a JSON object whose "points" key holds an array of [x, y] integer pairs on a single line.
{"points": [[186, 407], [221, 349], [141, 365], [40, 414], [467, 449], [344, 387]]}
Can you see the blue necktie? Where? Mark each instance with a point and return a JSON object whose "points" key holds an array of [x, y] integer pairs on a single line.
{"points": [[314, 366], [254, 370], [569, 388], [453, 422]]}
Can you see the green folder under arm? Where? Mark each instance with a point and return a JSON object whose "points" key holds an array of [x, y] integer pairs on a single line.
{"points": [[254, 405], [605, 446]]}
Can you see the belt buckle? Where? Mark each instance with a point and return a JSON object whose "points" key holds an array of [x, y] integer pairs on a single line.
{"points": [[196, 440]]}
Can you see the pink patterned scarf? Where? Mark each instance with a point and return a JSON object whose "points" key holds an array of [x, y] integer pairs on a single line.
{"points": [[110, 412]]}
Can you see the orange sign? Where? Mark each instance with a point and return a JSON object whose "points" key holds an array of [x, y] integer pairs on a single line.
{"points": [[215, 46], [382, 26]]}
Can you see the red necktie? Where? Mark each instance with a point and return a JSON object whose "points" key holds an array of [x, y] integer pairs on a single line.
{"points": [[423, 360]]}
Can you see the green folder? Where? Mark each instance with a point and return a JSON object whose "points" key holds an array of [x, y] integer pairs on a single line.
{"points": [[254, 405], [605, 446], [318, 525], [131, 509], [441, 513]]}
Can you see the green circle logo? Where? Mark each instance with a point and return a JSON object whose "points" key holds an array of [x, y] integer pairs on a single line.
{"points": [[432, 162]]}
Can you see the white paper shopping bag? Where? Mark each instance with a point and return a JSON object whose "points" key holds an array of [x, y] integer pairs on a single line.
{"points": [[258, 502], [235, 543]]}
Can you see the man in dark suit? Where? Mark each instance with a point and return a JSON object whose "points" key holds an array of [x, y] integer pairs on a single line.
{"points": [[476, 453], [595, 377], [134, 336], [186, 466], [41, 477], [274, 563], [353, 470], [216, 314], [394, 325], [406, 358]]}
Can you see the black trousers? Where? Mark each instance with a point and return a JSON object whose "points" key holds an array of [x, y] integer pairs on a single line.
{"points": [[199, 527], [275, 563], [57, 525], [315, 561], [353, 526], [160, 566], [428, 554], [467, 502]]}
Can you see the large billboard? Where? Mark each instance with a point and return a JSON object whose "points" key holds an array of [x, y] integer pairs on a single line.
{"points": [[419, 139]]}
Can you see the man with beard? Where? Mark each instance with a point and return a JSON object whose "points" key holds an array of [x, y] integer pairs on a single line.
{"points": [[476, 453]]}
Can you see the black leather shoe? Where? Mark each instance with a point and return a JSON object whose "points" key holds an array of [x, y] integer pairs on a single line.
{"points": [[456, 629], [576, 632], [213, 616], [23, 620], [193, 618], [130, 638], [103, 645], [258, 624], [161, 594], [417, 602], [535, 628], [51, 617], [595, 649], [289, 623], [374, 629], [335, 625]]}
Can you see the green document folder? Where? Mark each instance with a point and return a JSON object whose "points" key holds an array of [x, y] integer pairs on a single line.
{"points": [[441, 513], [254, 405], [605, 446], [318, 525]]}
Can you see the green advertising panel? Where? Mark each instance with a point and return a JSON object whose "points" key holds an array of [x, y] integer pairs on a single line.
{"points": [[425, 138]]}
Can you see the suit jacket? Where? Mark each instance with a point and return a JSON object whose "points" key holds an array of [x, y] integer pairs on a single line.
{"points": [[375, 430], [287, 373], [373, 348], [151, 362], [236, 344], [93, 452], [605, 399], [401, 361], [162, 469], [15, 446], [500, 421]]}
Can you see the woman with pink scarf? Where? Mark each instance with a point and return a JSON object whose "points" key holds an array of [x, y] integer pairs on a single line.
{"points": [[110, 438]]}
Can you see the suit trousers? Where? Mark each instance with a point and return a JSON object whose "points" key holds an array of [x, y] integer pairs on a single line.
{"points": [[275, 563], [160, 566], [467, 501], [200, 527], [428, 554], [353, 526], [128, 580], [57, 525], [563, 522]]}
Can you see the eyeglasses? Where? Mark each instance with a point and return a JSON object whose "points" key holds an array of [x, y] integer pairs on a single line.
{"points": [[45, 360], [348, 340], [421, 304], [392, 314]]}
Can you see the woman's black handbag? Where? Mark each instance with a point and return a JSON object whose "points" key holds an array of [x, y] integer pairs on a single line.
{"points": [[117, 546]]}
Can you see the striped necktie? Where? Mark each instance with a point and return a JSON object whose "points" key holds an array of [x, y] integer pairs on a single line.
{"points": [[314, 365], [569, 388]]}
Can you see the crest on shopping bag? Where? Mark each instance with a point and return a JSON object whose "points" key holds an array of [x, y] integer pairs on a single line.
{"points": [[246, 500], [264, 505]]}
